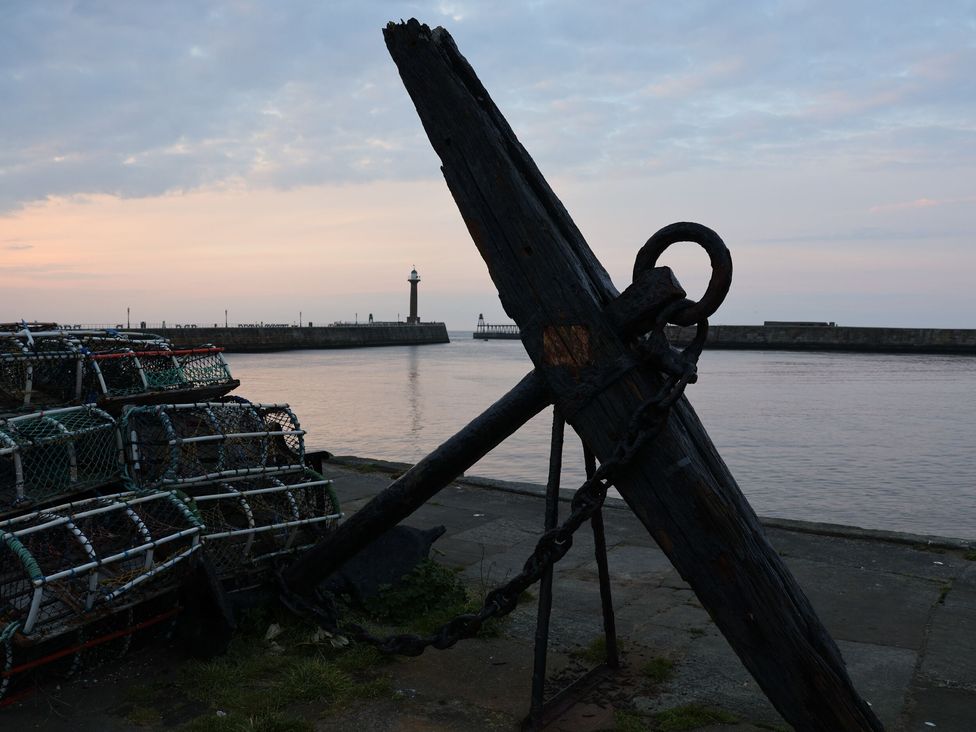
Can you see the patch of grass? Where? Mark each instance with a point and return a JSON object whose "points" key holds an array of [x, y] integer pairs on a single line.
{"points": [[626, 721], [596, 651], [256, 683], [658, 670], [425, 599], [696, 632], [971, 555], [143, 716], [312, 679], [233, 723], [691, 716], [359, 660], [944, 592], [212, 723], [427, 589]]}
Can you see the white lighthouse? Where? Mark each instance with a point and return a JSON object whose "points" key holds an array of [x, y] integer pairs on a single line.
{"points": [[414, 280]]}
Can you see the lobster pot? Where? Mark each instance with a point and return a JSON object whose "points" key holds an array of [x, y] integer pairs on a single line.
{"points": [[124, 364], [204, 366], [38, 372], [162, 370], [183, 444], [49, 454], [251, 520], [99, 341], [125, 372], [107, 638], [58, 367], [64, 567]]}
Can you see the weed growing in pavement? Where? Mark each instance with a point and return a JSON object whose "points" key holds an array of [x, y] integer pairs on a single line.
{"points": [[596, 651], [658, 670], [690, 716]]}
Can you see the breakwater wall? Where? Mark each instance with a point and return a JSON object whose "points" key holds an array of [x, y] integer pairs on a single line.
{"points": [[834, 338], [256, 339]]}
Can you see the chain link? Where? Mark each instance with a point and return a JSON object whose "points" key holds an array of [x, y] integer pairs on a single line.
{"points": [[647, 421]]}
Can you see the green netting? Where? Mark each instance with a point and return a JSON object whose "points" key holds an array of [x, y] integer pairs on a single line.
{"points": [[55, 453], [205, 366], [61, 367], [113, 373], [252, 520], [36, 373], [180, 444], [62, 567]]}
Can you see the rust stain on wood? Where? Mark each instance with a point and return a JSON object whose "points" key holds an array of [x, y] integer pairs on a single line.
{"points": [[567, 345], [724, 566], [664, 541]]}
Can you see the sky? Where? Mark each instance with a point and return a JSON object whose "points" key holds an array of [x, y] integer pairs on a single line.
{"points": [[183, 158]]}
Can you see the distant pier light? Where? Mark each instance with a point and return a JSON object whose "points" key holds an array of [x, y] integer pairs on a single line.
{"points": [[488, 331], [414, 280]]}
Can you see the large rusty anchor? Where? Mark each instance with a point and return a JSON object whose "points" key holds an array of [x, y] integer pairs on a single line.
{"points": [[601, 358]]}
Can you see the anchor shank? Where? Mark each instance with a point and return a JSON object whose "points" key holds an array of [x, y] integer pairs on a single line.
{"points": [[552, 285]]}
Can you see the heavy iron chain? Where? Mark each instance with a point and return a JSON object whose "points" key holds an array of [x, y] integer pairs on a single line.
{"points": [[646, 422]]}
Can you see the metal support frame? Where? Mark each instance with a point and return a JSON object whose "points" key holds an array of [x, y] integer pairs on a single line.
{"points": [[543, 711]]}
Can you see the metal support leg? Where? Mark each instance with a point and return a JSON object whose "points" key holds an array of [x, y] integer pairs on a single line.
{"points": [[600, 547], [537, 707], [541, 712]]}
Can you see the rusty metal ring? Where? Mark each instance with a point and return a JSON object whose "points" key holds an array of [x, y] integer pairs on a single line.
{"points": [[718, 254]]}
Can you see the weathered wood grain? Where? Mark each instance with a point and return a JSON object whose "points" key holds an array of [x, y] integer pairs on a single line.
{"points": [[552, 285]]}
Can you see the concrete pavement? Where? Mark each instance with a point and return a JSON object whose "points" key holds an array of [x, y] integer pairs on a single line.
{"points": [[902, 608]]}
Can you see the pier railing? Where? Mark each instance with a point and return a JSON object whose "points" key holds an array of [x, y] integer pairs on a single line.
{"points": [[489, 328]]}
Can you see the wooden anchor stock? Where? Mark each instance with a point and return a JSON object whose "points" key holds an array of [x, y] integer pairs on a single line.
{"points": [[575, 328]]}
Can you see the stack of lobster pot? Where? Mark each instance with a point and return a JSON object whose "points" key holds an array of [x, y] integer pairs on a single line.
{"points": [[242, 467], [56, 367], [84, 562], [106, 495]]}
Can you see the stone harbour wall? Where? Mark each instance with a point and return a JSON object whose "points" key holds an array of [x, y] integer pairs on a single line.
{"points": [[834, 338], [256, 339]]}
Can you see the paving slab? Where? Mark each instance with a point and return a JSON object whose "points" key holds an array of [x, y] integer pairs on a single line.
{"points": [[950, 655], [882, 675], [632, 563], [872, 556], [505, 531], [858, 604], [940, 709]]}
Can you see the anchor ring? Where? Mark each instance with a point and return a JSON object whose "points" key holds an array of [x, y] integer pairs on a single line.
{"points": [[691, 312]]}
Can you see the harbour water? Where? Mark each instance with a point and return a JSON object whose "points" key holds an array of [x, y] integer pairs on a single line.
{"points": [[879, 441]]}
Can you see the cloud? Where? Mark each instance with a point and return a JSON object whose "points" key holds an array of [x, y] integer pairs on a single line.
{"points": [[140, 99], [37, 272], [18, 247], [920, 203]]}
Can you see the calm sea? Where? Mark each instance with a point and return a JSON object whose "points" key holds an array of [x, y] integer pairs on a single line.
{"points": [[879, 441]]}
